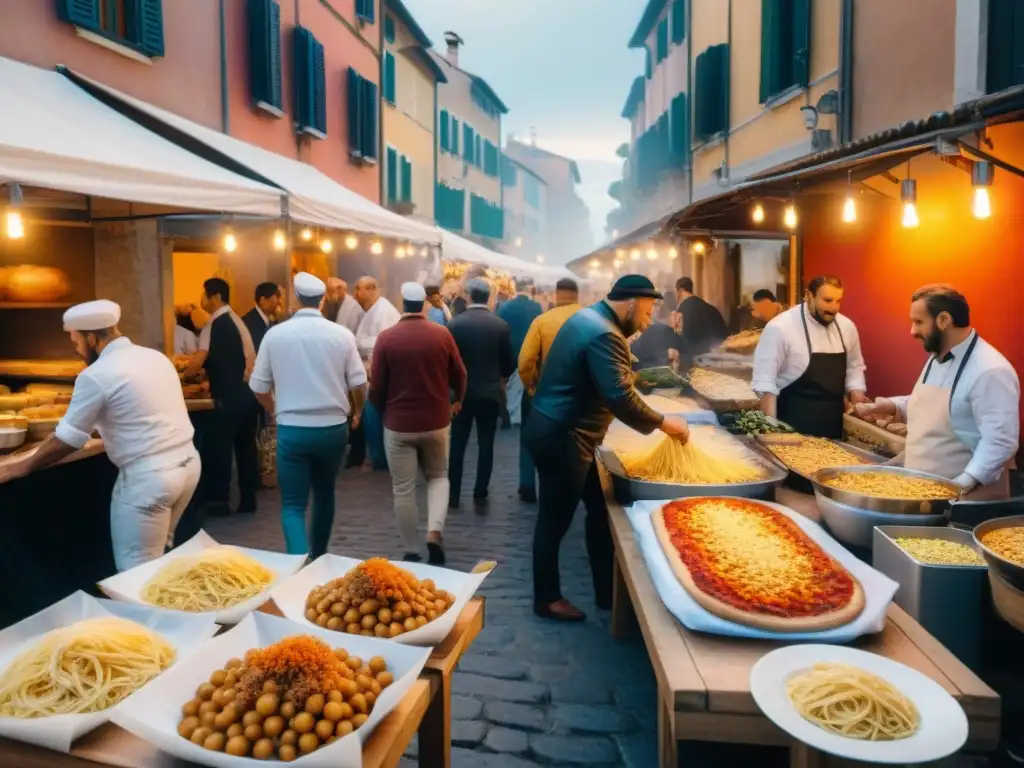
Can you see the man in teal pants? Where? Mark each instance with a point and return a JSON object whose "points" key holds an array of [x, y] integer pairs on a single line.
{"points": [[305, 374]]}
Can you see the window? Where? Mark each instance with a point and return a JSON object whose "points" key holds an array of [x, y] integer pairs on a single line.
{"points": [[468, 143], [362, 117], [265, 55], [137, 24], [392, 175], [389, 78], [652, 154], [662, 40], [648, 63], [455, 136], [389, 29], [406, 175], [478, 151], [785, 46], [491, 162], [678, 21], [711, 97], [509, 173], [679, 126], [309, 84], [450, 207], [531, 191], [366, 11], [444, 127], [1005, 45], [486, 219]]}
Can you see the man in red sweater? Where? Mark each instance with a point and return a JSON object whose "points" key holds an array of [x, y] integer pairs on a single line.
{"points": [[416, 368]]}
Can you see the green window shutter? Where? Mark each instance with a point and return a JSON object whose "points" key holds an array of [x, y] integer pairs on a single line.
{"points": [[679, 125], [444, 127], [369, 98], [389, 78], [1005, 67], [319, 89], [772, 21], [467, 143], [801, 43], [455, 136], [406, 180], [711, 101], [648, 64], [366, 10], [303, 78], [355, 120], [144, 20], [264, 20], [81, 13], [662, 40], [678, 21], [389, 29], [478, 151], [392, 174]]}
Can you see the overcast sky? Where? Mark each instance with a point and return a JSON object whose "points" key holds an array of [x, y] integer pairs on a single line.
{"points": [[561, 66]]}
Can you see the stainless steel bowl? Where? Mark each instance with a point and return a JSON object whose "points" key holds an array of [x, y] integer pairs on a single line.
{"points": [[11, 438], [1010, 572], [880, 503], [855, 526]]}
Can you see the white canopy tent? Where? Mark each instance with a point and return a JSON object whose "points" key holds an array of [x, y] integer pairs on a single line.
{"points": [[56, 136], [313, 197]]}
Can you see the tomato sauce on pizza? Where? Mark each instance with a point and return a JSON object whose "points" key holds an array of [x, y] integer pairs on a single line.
{"points": [[755, 559]]}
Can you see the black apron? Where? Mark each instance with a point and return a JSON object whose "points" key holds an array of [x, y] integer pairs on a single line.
{"points": [[814, 404]]}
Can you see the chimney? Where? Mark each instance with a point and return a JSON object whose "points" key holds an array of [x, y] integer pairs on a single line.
{"points": [[453, 41]]}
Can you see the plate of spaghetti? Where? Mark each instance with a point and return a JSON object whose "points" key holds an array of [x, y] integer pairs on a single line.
{"points": [[65, 670], [206, 578], [271, 690], [858, 705]]}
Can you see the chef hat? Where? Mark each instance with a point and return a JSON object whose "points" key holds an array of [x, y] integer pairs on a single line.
{"points": [[309, 285], [92, 316], [413, 292]]}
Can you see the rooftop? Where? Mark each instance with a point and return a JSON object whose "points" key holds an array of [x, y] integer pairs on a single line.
{"points": [[647, 22], [634, 99], [397, 7], [476, 80], [535, 151]]}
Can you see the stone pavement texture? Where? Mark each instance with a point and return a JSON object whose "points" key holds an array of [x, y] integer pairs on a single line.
{"points": [[529, 692]]}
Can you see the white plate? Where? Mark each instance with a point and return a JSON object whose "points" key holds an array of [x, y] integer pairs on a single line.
{"points": [[128, 585], [154, 716], [183, 631], [943, 728], [291, 596]]}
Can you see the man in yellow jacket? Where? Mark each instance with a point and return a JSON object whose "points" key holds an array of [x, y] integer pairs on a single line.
{"points": [[536, 346]]}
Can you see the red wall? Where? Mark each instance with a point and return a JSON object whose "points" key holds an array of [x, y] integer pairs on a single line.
{"points": [[881, 263]]}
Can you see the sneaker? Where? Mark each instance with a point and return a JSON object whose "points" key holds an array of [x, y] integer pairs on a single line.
{"points": [[435, 552]]}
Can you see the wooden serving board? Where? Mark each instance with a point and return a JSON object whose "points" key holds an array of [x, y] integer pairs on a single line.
{"points": [[41, 369], [873, 436]]}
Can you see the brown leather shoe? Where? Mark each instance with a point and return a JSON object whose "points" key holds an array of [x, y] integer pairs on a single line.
{"points": [[560, 610]]}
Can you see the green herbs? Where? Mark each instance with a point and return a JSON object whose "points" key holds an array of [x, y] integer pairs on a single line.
{"points": [[756, 423]]}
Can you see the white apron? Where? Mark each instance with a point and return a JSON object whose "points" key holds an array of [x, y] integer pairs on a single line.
{"points": [[933, 446]]}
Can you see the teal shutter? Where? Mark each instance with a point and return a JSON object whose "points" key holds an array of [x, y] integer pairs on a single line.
{"points": [[771, 54], [392, 174], [478, 151], [711, 101], [444, 126], [264, 19], [1005, 67], [319, 89], [406, 180], [81, 13], [455, 136], [467, 143], [355, 120], [145, 25], [648, 64], [389, 78], [310, 82], [662, 40], [801, 43], [389, 29], [679, 125], [368, 101], [366, 10], [678, 21]]}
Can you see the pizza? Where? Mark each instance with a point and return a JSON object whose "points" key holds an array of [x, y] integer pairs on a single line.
{"points": [[749, 563]]}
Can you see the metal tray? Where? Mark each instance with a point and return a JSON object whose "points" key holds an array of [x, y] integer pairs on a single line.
{"points": [[1011, 572], [881, 504], [627, 490], [764, 440]]}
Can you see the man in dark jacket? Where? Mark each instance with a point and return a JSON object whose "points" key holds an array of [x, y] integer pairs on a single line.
{"points": [[703, 325], [585, 383], [485, 344], [258, 319]]}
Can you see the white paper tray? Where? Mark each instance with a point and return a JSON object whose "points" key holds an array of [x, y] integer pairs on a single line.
{"points": [[183, 631], [878, 588], [291, 596], [127, 586], [154, 716]]}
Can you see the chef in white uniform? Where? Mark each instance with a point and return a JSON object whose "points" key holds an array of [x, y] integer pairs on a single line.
{"points": [[962, 418], [132, 396]]}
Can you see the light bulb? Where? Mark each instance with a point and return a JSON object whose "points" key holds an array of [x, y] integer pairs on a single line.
{"points": [[424, 252], [519, 242], [376, 248], [399, 252], [673, 253], [634, 255], [279, 241], [13, 225], [982, 206], [789, 217], [849, 210], [326, 246], [595, 263], [757, 214], [910, 220], [617, 263], [306, 234], [699, 247], [540, 258], [351, 242], [230, 242]]}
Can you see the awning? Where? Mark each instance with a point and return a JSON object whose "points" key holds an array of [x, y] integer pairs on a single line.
{"points": [[55, 135], [639, 235], [314, 198], [457, 248]]}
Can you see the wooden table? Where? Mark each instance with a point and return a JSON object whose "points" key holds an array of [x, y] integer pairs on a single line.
{"points": [[704, 680], [112, 746]]}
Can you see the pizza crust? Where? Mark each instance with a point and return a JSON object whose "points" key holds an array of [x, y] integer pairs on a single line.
{"points": [[723, 610]]}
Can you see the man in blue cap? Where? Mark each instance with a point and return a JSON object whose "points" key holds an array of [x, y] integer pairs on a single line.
{"points": [[586, 382]]}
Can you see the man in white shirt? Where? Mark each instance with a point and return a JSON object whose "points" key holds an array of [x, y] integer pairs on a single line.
{"points": [[130, 395], [309, 375], [809, 361], [348, 312], [963, 417], [380, 314]]}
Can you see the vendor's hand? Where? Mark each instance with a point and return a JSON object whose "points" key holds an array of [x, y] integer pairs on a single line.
{"points": [[880, 409], [676, 427], [456, 409], [12, 470], [675, 319], [966, 483], [355, 419]]}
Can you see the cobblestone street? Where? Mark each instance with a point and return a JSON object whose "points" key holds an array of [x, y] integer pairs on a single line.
{"points": [[529, 692]]}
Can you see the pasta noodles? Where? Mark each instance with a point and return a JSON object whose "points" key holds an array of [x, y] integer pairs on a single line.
{"points": [[673, 462], [813, 453], [889, 485], [1008, 543], [853, 703], [216, 579], [87, 667]]}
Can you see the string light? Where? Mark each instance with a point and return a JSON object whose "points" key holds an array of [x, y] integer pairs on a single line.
{"points": [[982, 174], [399, 252], [908, 196], [634, 254], [757, 213], [280, 243], [617, 263], [849, 205], [699, 247], [230, 241], [424, 252], [14, 226], [519, 242], [326, 246], [620, 254], [789, 217], [351, 242], [595, 263], [306, 234], [652, 255], [376, 248], [673, 253]]}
